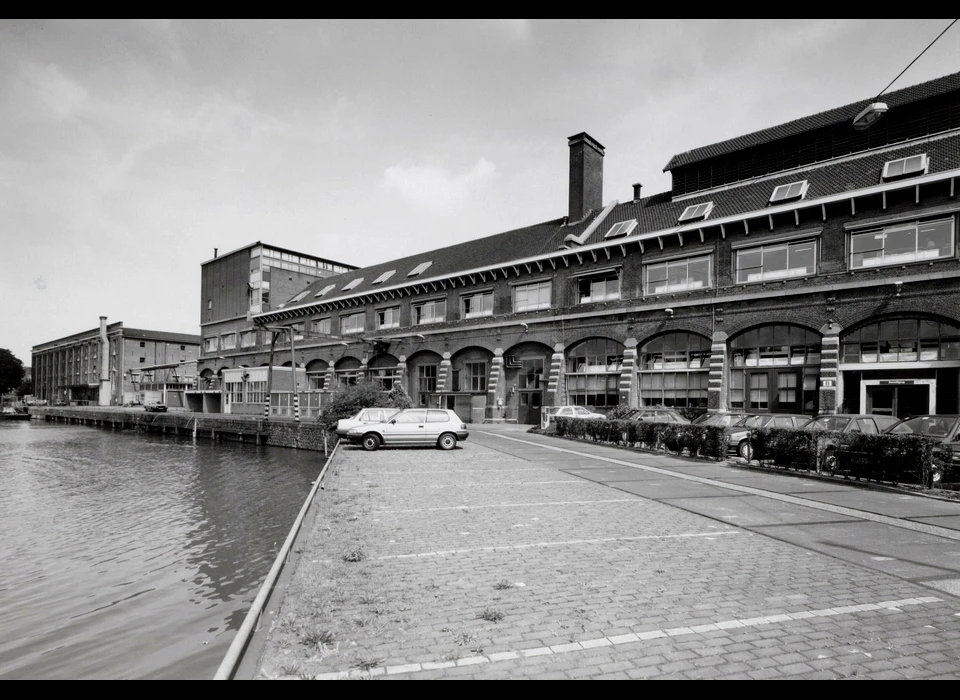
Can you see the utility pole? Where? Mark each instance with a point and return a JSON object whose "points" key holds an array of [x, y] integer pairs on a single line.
{"points": [[273, 344]]}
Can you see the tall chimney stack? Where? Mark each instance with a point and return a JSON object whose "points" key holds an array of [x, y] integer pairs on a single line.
{"points": [[215, 252], [105, 386], [586, 175], [636, 191]]}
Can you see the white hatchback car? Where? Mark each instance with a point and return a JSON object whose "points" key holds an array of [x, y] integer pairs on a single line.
{"points": [[576, 412], [413, 426], [365, 416]]}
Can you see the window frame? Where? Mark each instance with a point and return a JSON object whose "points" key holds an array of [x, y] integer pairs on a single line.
{"points": [[771, 246], [804, 185], [394, 312], [885, 175], [348, 331], [688, 214], [676, 262], [474, 295], [605, 276], [884, 230], [526, 286], [418, 308]]}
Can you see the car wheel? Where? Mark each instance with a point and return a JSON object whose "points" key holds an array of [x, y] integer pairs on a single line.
{"points": [[370, 442], [447, 441], [829, 461], [745, 449]]}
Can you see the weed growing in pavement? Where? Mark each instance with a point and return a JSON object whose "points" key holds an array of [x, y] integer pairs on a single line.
{"points": [[354, 555], [290, 669], [304, 676], [491, 615], [367, 664], [370, 598], [361, 621], [465, 638], [317, 637], [503, 585]]}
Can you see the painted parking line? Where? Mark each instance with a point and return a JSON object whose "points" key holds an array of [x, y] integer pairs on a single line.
{"points": [[890, 606], [421, 487], [783, 498], [567, 543]]}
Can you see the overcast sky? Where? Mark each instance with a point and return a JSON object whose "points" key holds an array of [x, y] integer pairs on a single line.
{"points": [[130, 150]]}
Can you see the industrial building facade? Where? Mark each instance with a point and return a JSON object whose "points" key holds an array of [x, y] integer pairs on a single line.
{"points": [[108, 365], [811, 267]]}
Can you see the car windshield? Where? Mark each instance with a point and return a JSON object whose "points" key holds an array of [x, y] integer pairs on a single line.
{"points": [[931, 426], [752, 422], [828, 423], [723, 419]]}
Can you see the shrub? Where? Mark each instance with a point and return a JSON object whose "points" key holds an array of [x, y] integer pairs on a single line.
{"points": [[619, 412], [797, 449], [697, 440], [346, 401], [896, 458]]}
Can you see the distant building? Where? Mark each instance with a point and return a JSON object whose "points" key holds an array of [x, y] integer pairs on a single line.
{"points": [[104, 366], [233, 288]]}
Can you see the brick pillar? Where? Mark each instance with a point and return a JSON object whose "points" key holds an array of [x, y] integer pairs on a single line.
{"points": [[628, 377], [402, 372], [331, 382], [444, 373], [296, 405], [496, 386], [717, 387], [829, 389], [555, 382]]}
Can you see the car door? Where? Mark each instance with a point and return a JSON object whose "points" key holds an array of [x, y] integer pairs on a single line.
{"points": [[437, 422], [405, 428]]}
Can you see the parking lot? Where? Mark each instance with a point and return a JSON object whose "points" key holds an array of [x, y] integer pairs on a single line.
{"points": [[522, 556]]}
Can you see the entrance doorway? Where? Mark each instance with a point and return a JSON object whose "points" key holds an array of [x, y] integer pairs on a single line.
{"points": [[900, 398], [526, 379]]}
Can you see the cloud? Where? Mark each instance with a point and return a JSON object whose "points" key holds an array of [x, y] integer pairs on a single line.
{"points": [[435, 189], [63, 96]]}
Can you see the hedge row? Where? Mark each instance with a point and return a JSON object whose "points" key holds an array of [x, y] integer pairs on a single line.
{"points": [[895, 458], [697, 440]]}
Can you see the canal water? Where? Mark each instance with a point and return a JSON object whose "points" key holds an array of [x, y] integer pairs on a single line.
{"points": [[129, 555]]}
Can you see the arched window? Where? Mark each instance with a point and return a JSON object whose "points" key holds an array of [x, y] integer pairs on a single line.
{"points": [[675, 371], [593, 373], [902, 340], [775, 369], [384, 371]]}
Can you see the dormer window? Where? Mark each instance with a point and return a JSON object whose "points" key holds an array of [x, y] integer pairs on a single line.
{"points": [[350, 285], [788, 193], [419, 269], [325, 290], [696, 212], [297, 298], [384, 277], [622, 229], [906, 167]]}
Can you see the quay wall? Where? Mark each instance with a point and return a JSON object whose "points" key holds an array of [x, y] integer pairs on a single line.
{"points": [[253, 429]]}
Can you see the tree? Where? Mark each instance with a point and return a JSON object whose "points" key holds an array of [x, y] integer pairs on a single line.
{"points": [[11, 371], [26, 387], [346, 401]]}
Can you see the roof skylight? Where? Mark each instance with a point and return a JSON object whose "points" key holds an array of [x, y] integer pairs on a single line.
{"points": [[621, 229], [905, 167], [696, 211], [325, 290], [350, 285], [297, 298], [384, 277], [786, 193], [419, 269]]}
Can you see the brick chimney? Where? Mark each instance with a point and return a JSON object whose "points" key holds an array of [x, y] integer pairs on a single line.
{"points": [[586, 175]]}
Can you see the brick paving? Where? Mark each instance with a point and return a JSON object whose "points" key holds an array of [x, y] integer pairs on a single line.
{"points": [[481, 564]]}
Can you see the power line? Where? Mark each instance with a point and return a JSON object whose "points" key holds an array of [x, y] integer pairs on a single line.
{"points": [[916, 59]]}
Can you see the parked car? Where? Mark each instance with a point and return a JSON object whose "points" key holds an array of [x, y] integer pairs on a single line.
{"points": [[364, 416], [739, 440], [722, 420], [412, 426], [657, 415], [576, 412], [846, 423], [945, 428], [154, 408]]}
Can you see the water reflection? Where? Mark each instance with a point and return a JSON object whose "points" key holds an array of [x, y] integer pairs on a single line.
{"points": [[127, 555]]}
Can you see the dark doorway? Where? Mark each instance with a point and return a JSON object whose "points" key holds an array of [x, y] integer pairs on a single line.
{"points": [[900, 400]]}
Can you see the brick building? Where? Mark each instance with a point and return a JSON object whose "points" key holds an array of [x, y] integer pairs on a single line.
{"points": [[233, 288], [77, 369], [809, 267]]}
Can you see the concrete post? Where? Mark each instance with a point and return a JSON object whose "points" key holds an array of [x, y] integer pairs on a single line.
{"points": [[103, 399]]}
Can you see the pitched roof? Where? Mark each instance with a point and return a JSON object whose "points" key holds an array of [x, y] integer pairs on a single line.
{"points": [[658, 212], [162, 336], [907, 95]]}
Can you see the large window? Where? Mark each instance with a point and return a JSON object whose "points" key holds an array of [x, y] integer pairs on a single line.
{"points": [[320, 326], [476, 305], [352, 323], [476, 376], [210, 344], [903, 243], [775, 369], [678, 275], [426, 382], [777, 261], [388, 318], [604, 287], [385, 378], [256, 392], [530, 297], [248, 339], [593, 373], [902, 340], [430, 312], [234, 391], [675, 371]]}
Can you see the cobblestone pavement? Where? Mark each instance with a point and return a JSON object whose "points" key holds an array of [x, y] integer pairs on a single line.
{"points": [[481, 563]]}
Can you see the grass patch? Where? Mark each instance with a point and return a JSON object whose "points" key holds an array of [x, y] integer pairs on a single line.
{"points": [[491, 615], [354, 555], [315, 638]]}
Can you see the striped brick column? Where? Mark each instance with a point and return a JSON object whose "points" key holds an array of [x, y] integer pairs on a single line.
{"points": [[830, 369], [496, 374], [402, 371], [555, 389], [716, 388], [296, 407], [331, 383], [628, 376], [443, 373]]}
